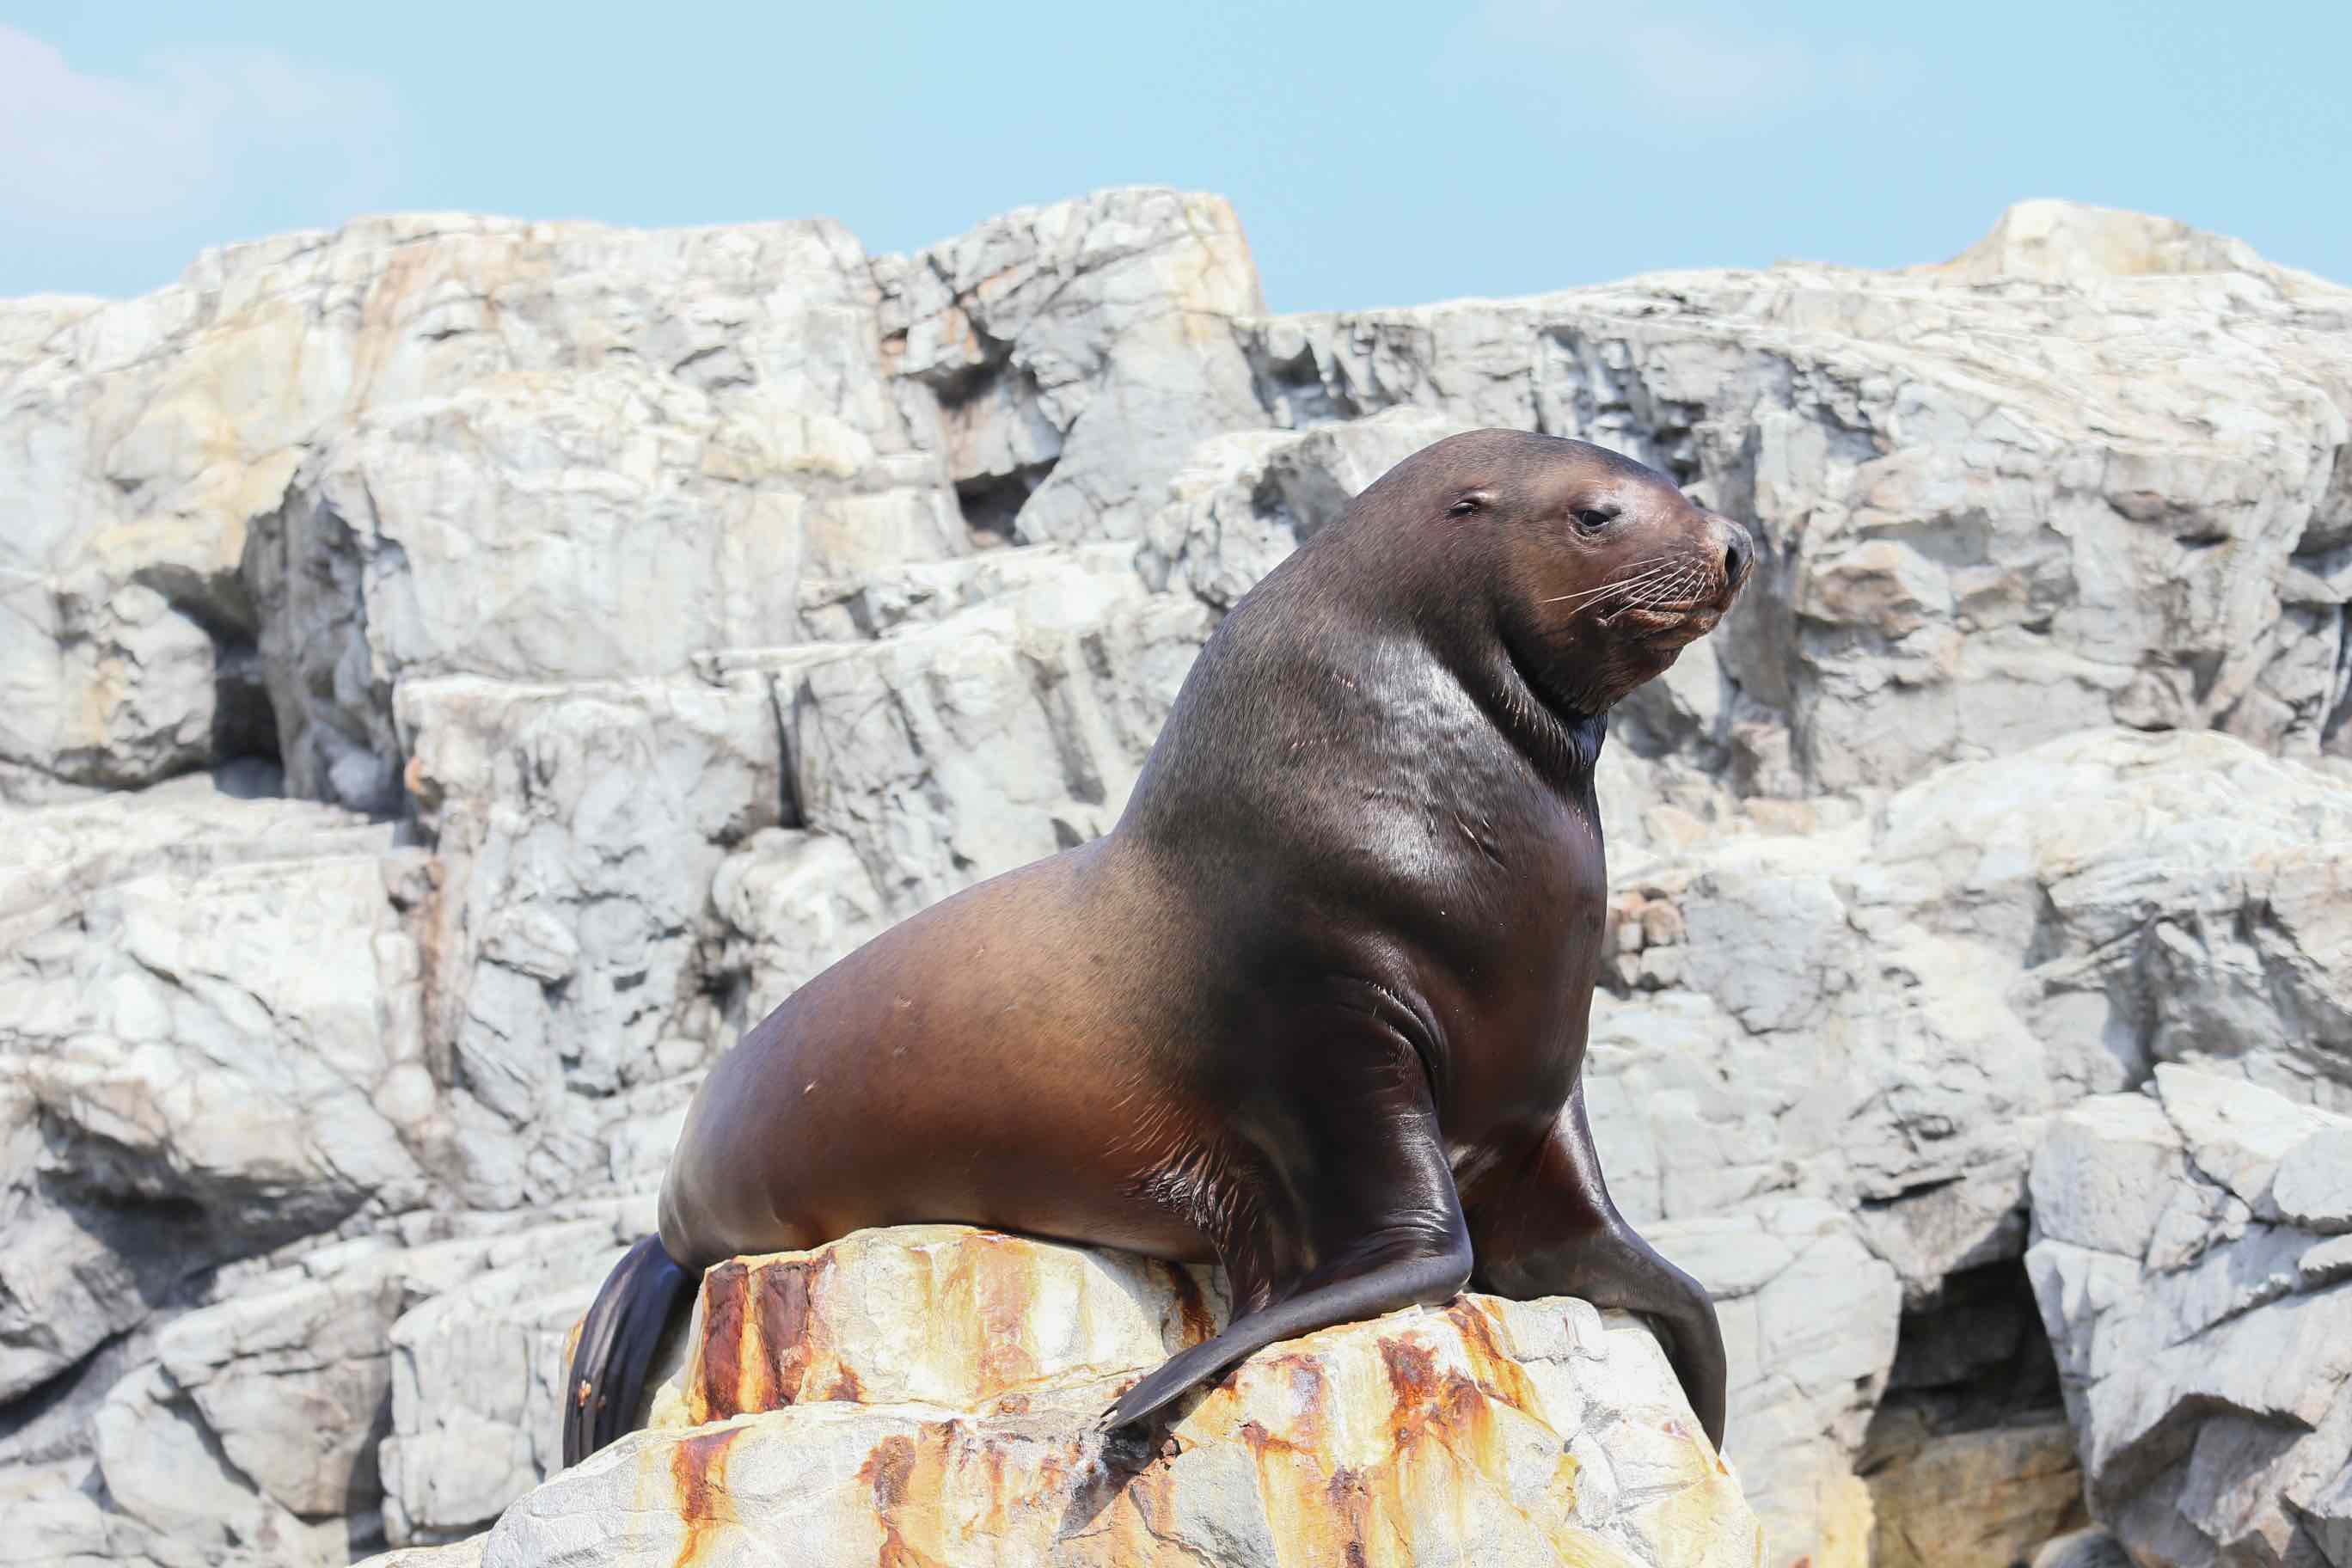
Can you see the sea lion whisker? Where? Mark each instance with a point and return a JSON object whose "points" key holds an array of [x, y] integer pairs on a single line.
{"points": [[1688, 575], [1633, 571], [1634, 592], [1659, 590], [1617, 585]]}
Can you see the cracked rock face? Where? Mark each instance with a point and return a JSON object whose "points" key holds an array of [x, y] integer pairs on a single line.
{"points": [[2192, 1255], [1885, 1012], [456, 673], [1809, 1326]]}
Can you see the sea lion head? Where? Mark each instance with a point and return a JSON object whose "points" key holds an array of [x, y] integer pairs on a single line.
{"points": [[1599, 570]]}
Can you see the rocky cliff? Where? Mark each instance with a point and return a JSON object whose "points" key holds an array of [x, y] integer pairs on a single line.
{"points": [[456, 673]]}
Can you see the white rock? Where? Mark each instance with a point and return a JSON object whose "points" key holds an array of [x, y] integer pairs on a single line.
{"points": [[2084, 247], [577, 831], [920, 593], [951, 751], [793, 904], [476, 1381], [1809, 1326], [1885, 1013], [465, 1553], [2208, 1376], [253, 1432], [508, 530], [2312, 1186], [498, 419], [1072, 354], [174, 1092]]}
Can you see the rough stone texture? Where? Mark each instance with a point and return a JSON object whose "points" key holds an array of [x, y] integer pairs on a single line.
{"points": [[1985, 1499], [2204, 1339], [646, 618], [446, 428], [578, 830], [929, 1314], [1067, 358], [173, 1092], [1883, 1013], [1994, 501], [465, 1553], [1968, 1457], [1809, 1324], [1509, 1432], [255, 1429], [792, 903], [477, 1379], [2092, 1547], [964, 746], [1243, 501]]}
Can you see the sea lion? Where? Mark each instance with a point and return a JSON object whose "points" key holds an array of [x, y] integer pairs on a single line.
{"points": [[1315, 1008]]}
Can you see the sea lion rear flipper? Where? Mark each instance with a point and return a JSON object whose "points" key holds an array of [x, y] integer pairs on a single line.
{"points": [[1383, 1215], [1550, 1229], [618, 1338]]}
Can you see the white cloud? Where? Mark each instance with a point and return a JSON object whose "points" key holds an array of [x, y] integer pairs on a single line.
{"points": [[1697, 67], [191, 127]]}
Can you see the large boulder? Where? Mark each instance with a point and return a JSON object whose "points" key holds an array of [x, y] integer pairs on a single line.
{"points": [[477, 1375], [174, 1092], [1245, 500], [429, 443], [949, 1316], [2192, 1255], [1066, 359], [950, 750], [253, 1434], [931, 1396]]}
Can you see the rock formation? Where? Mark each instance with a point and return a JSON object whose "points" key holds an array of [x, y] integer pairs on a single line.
{"points": [[2192, 1253], [929, 1395], [456, 673]]}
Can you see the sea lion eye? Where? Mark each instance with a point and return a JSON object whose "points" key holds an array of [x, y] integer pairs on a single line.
{"points": [[1463, 507], [1591, 521]]}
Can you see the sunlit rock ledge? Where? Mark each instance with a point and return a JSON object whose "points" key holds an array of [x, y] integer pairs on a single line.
{"points": [[929, 1395]]}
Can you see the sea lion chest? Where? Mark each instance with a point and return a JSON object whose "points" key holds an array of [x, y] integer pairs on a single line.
{"points": [[1511, 980]]}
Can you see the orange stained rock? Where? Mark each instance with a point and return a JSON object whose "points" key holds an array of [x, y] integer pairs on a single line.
{"points": [[1374, 1445], [770, 1331], [697, 1467]]}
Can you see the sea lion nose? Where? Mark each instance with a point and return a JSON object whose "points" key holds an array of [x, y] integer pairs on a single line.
{"points": [[1738, 549]]}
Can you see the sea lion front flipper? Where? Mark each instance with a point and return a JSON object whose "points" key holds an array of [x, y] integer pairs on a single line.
{"points": [[1548, 1227], [1383, 1217]]}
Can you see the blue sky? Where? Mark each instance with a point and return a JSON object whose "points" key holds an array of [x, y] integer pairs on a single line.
{"points": [[1378, 154]]}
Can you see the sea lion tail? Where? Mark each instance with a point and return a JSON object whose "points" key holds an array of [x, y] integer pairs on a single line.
{"points": [[617, 1346]]}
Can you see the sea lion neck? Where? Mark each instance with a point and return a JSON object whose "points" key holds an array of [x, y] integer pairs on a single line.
{"points": [[1563, 742], [1455, 598]]}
